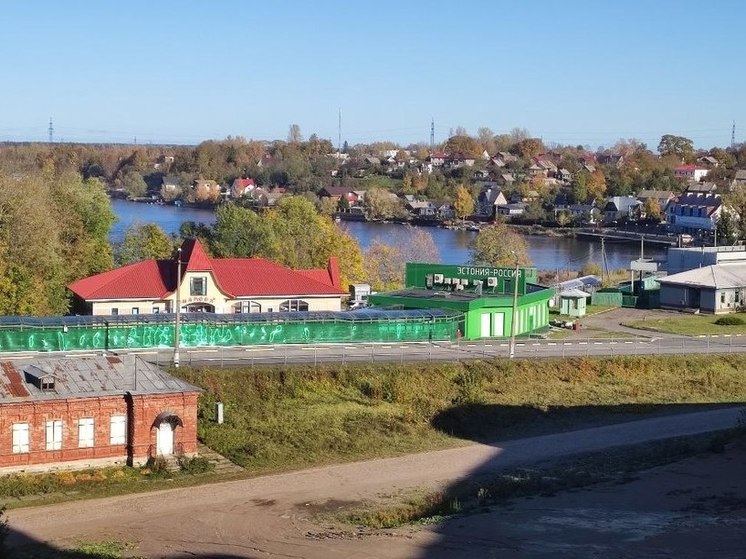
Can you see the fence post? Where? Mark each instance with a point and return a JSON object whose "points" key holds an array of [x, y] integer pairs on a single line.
{"points": [[708, 343], [372, 357], [222, 356], [314, 357], [343, 354]]}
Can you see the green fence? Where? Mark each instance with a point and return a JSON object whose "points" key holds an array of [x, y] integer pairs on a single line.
{"points": [[607, 298], [382, 326]]}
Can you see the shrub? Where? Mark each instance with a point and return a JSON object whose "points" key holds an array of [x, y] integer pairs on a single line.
{"points": [[730, 321], [195, 465]]}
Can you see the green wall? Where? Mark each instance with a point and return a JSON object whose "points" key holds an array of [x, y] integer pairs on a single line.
{"points": [[422, 275], [140, 336]]}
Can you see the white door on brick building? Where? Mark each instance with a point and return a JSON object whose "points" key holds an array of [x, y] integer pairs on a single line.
{"points": [[165, 438]]}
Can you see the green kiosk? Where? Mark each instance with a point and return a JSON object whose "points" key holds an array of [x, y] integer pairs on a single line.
{"points": [[483, 294]]}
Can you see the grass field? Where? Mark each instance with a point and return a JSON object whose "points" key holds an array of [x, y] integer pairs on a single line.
{"points": [[688, 325], [287, 419]]}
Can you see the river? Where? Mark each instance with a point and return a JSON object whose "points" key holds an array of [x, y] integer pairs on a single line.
{"points": [[547, 253]]}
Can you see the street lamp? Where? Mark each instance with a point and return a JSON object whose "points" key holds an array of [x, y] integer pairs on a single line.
{"points": [[178, 308], [511, 352]]}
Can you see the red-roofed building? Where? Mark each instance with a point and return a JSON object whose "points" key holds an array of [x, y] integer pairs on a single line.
{"points": [[690, 172], [242, 187], [220, 285]]}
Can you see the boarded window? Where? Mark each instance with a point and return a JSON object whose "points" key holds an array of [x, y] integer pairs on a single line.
{"points": [[54, 435], [85, 432], [118, 429], [20, 438]]}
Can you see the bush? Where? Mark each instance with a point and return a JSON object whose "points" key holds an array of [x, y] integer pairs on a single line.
{"points": [[195, 465], [730, 321]]}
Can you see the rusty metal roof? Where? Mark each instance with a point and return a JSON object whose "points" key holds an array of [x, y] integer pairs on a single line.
{"points": [[86, 377]]}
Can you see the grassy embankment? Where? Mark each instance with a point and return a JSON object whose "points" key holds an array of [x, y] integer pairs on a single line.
{"points": [[695, 325], [281, 420]]}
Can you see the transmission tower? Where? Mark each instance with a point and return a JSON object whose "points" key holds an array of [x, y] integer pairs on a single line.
{"points": [[432, 133], [51, 131], [339, 133], [733, 135]]}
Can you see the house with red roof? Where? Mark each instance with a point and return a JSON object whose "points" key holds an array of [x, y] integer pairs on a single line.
{"points": [[690, 172], [216, 285], [242, 187]]}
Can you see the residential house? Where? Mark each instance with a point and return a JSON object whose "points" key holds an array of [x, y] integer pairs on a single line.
{"points": [[421, 208], [621, 207], [444, 210], [715, 289], [84, 412], [170, 184], [536, 170], [460, 160], [564, 175], [495, 163], [216, 285], [339, 193], [693, 213], [708, 161], [507, 157], [263, 198], [437, 159], [584, 213], [265, 161], [690, 172], [241, 187], [587, 159], [506, 179], [481, 174], [512, 209], [701, 187], [489, 200]]}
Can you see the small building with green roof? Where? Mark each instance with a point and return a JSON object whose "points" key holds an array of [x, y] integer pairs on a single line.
{"points": [[483, 294]]}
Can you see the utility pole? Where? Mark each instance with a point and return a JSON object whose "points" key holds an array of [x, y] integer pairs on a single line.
{"points": [[511, 351], [339, 132], [604, 265], [177, 321], [51, 131]]}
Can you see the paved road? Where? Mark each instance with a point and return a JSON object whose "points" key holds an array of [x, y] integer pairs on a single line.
{"points": [[270, 516]]}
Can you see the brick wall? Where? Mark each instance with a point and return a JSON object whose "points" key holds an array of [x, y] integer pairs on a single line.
{"points": [[141, 411]]}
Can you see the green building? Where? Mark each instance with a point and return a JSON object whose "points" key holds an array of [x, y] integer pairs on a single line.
{"points": [[483, 294]]}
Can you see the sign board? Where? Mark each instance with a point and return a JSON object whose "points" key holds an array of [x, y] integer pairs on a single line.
{"points": [[488, 279]]}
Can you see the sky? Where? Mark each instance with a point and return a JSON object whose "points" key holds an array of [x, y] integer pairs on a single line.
{"points": [[184, 71]]}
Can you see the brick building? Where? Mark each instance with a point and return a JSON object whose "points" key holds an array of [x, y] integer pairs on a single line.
{"points": [[96, 411]]}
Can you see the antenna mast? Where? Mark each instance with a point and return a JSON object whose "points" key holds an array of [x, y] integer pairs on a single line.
{"points": [[51, 131], [733, 136], [339, 130], [432, 133]]}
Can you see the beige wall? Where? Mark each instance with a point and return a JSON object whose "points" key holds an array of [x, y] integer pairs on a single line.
{"points": [[213, 296]]}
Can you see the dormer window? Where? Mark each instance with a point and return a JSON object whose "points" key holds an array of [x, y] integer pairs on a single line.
{"points": [[42, 378], [47, 384], [198, 287]]}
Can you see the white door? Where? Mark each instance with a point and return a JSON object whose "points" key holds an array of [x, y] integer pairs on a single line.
{"points": [[165, 439], [498, 324], [485, 326]]}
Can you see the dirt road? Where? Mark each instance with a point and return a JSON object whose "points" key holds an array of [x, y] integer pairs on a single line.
{"points": [[271, 516]]}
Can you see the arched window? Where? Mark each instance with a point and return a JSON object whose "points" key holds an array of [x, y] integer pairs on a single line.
{"points": [[293, 305]]}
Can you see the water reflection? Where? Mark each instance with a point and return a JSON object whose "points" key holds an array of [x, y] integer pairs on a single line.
{"points": [[547, 253]]}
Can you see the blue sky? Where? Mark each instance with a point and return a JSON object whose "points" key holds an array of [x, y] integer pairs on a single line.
{"points": [[579, 72]]}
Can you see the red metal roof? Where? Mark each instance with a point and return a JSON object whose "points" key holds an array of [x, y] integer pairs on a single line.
{"points": [[16, 387], [235, 277], [149, 279]]}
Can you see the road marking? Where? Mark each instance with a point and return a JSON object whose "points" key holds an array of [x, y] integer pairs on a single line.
{"points": [[629, 342], [582, 343], [260, 349], [487, 345], [597, 343], [202, 351], [552, 343], [567, 343]]}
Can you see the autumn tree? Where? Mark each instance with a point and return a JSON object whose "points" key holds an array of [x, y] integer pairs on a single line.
{"points": [[382, 204], [385, 263], [498, 245], [652, 209], [529, 148], [596, 185], [463, 145], [464, 203], [143, 242]]}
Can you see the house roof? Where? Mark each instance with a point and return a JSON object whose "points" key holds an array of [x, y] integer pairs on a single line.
{"points": [[623, 203], [741, 175], [687, 168], [85, 377], [335, 191], [657, 194], [236, 277], [243, 183], [717, 276]]}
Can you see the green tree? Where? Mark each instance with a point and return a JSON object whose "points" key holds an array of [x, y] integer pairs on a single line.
{"points": [[679, 146], [143, 242], [498, 245], [464, 203], [240, 233], [382, 204], [727, 228], [134, 184]]}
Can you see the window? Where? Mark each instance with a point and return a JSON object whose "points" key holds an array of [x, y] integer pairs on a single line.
{"points": [[198, 286], [255, 307], [54, 434], [47, 384], [293, 305], [20, 438], [156, 310], [118, 433], [114, 311], [135, 310], [85, 432], [722, 297]]}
